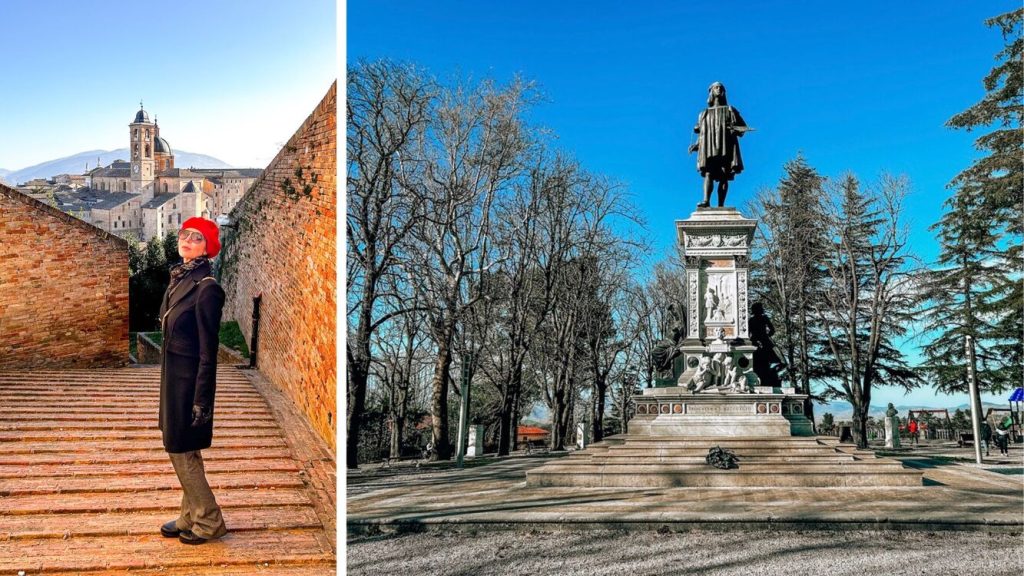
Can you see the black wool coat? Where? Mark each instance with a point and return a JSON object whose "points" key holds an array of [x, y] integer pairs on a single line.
{"points": [[190, 320]]}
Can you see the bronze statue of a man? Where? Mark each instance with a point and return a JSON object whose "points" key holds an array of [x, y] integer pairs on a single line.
{"points": [[719, 128]]}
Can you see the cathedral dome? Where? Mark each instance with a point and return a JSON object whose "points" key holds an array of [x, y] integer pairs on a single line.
{"points": [[161, 146], [141, 116]]}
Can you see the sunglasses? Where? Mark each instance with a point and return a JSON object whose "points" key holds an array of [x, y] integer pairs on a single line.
{"points": [[190, 236]]}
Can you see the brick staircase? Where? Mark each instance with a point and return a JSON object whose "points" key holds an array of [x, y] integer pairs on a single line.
{"points": [[85, 483], [667, 461]]}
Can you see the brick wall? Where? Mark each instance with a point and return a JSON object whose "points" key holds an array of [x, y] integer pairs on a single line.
{"points": [[63, 289], [282, 244]]}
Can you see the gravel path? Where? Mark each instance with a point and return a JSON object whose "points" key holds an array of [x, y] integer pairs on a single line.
{"points": [[607, 553]]}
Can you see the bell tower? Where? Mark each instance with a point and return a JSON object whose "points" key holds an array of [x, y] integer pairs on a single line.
{"points": [[142, 135]]}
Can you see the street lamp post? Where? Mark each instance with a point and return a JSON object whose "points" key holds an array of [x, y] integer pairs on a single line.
{"points": [[972, 384]]}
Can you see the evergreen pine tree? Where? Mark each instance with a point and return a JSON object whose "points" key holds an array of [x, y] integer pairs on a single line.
{"points": [[977, 289]]}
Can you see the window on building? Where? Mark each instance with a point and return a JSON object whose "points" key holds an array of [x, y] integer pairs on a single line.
{"points": [[179, 218]]}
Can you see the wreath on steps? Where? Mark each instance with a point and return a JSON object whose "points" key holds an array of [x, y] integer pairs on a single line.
{"points": [[722, 458]]}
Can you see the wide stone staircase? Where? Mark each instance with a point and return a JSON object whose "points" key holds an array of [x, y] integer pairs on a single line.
{"points": [[672, 461], [85, 483]]}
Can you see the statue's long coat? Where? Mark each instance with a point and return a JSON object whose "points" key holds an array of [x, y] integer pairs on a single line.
{"points": [[190, 314], [718, 147]]}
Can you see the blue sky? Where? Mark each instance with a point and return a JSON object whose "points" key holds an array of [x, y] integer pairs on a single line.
{"points": [[229, 78], [859, 86]]}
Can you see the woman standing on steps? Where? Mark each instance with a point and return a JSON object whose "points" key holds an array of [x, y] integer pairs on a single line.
{"points": [[190, 321]]}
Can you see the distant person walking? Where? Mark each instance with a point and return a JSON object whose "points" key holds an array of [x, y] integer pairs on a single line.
{"points": [[986, 435], [190, 321], [912, 428], [1003, 439]]}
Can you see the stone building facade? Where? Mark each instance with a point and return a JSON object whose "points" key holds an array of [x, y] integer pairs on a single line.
{"points": [[163, 195], [281, 244], [63, 289]]}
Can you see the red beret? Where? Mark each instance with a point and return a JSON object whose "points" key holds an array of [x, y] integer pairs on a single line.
{"points": [[209, 231]]}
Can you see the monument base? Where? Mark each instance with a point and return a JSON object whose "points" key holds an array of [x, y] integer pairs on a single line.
{"points": [[676, 412]]}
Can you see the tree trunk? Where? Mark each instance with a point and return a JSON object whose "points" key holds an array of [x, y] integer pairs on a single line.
{"points": [[358, 376], [439, 404], [507, 421], [860, 423], [558, 421], [359, 369], [398, 422], [601, 386], [517, 416]]}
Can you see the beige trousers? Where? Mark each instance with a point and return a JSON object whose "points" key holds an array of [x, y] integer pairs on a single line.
{"points": [[199, 510]]}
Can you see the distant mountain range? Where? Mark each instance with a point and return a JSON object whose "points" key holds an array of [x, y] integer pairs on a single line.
{"points": [[77, 164], [844, 411]]}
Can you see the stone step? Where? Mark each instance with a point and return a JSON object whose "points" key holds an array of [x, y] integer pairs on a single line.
{"points": [[688, 450], [137, 468], [221, 439], [58, 405], [89, 413], [138, 456], [98, 501], [148, 522], [78, 435], [709, 440], [708, 477], [122, 423], [652, 467], [85, 482], [128, 552], [699, 458], [135, 483]]}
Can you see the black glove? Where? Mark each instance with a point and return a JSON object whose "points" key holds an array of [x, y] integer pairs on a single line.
{"points": [[201, 415]]}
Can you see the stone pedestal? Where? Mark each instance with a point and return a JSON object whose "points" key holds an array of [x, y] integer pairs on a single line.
{"points": [[676, 412], [716, 247], [892, 432], [717, 392], [475, 446]]}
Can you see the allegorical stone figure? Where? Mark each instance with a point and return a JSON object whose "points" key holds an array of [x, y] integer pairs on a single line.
{"points": [[719, 128], [666, 350], [765, 358]]}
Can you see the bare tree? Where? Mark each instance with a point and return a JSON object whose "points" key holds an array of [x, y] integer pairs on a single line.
{"points": [[870, 294], [386, 110], [473, 151]]}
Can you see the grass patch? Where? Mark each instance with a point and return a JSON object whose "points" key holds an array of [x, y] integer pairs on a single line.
{"points": [[155, 337], [133, 344], [231, 336]]}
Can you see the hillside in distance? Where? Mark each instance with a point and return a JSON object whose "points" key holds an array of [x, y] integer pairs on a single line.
{"points": [[79, 163]]}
